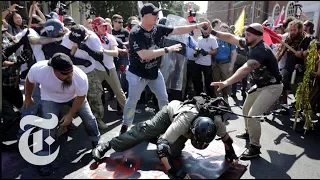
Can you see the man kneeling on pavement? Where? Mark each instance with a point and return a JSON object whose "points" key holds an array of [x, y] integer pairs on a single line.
{"points": [[173, 125], [61, 83]]}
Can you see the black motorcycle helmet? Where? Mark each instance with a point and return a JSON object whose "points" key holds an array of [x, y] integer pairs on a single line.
{"points": [[68, 21], [203, 132]]}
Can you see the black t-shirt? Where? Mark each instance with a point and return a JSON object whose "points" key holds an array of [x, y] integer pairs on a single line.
{"points": [[123, 34], [141, 39], [268, 72]]}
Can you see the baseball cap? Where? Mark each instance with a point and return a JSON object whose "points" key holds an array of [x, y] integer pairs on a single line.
{"points": [[61, 62], [149, 8], [99, 21], [78, 33]]}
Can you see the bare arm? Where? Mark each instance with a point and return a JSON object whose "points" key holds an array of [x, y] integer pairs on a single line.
{"points": [[228, 37], [40, 13], [29, 88], [77, 103], [243, 71], [43, 40], [183, 29], [5, 13], [233, 56], [150, 54], [112, 52], [186, 29], [214, 51]]}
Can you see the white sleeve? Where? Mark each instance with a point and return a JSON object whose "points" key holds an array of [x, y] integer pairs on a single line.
{"points": [[214, 43], [82, 84], [94, 43], [33, 73], [66, 42], [20, 34]]}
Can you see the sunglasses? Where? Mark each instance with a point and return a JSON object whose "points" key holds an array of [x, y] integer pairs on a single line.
{"points": [[120, 22]]}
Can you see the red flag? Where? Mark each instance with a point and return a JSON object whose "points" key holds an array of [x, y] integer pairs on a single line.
{"points": [[266, 37], [280, 18], [61, 18]]}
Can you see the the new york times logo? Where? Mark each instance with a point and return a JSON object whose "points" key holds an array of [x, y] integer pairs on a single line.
{"points": [[24, 149]]}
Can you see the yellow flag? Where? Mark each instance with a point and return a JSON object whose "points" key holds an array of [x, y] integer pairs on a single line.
{"points": [[239, 23]]}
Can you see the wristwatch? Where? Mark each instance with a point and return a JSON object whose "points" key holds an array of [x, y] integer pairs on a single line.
{"points": [[166, 50]]}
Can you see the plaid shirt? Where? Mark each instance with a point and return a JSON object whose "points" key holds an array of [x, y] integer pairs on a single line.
{"points": [[9, 74]]}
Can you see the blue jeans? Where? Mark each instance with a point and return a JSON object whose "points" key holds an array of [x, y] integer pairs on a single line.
{"points": [[85, 114], [136, 86], [33, 109]]}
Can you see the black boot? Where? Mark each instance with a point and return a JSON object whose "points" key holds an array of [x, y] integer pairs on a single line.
{"points": [[244, 135], [99, 151], [250, 153], [124, 129]]}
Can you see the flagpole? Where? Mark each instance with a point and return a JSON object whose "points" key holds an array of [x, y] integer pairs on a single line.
{"points": [[253, 8]]}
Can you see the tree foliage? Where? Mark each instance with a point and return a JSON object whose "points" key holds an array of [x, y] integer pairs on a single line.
{"points": [[130, 8], [196, 8]]}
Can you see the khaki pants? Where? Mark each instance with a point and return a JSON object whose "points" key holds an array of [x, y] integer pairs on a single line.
{"points": [[113, 81], [220, 72], [146, 131], [256, 104]]}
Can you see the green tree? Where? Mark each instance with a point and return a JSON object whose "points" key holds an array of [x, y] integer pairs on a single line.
{"points": [[196, 8], [108, 8]]}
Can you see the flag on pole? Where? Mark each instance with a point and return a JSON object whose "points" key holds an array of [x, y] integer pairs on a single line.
{"points": [[189, 6], [240, 23], [140, 5], [280, 18], [273, 37], [160, 12]]}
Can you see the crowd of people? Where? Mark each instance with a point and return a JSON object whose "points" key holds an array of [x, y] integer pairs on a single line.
{"points": [[67, 66]]}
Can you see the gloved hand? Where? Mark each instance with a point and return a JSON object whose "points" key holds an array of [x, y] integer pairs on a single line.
{"points": [[24, 57], [82, 46], [122, 68], [178, 173], [230, 154], [203, 52]]}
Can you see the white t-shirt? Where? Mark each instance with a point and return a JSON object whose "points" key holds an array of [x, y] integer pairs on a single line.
{"points": [[51, 86], [207, 44], [93, 42], [36, 48], [107, 60]]}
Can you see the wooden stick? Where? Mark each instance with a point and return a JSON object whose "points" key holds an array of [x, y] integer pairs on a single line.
{"points": [[285, 44], [31, 13]]}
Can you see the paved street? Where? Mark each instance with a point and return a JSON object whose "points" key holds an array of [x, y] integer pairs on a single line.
{"points": [[285, 153]]}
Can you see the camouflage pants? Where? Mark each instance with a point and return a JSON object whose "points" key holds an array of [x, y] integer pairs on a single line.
{"points": [[94, 95]]}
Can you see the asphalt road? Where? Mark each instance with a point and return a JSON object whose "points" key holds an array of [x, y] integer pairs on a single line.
{"points": [[285, 153]]}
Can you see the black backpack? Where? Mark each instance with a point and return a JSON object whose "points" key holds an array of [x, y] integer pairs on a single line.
{"points": [[208, 106]]}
